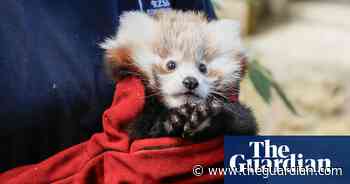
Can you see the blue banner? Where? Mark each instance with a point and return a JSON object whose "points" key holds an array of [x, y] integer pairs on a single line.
{"points": [[286, 159]]}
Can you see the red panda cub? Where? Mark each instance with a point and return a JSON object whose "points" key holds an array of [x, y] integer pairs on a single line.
{"points": [[189, 66]]}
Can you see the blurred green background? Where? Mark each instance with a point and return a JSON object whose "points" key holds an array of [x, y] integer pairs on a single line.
{"points": [[306, 46]]}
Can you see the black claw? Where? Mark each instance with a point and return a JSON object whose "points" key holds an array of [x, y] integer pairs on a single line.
{"points": [[174, 119], [216, 107], [192, 105], [203, 111], [183, 111], [168, 127], [187, 127], [194, 117]]}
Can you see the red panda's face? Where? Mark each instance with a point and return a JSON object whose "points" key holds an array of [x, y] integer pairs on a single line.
{"points": [[183, 81], [184, 58]]}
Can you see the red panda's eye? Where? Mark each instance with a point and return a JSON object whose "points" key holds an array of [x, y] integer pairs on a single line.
{"points": [[171, 65], [202, 68]]}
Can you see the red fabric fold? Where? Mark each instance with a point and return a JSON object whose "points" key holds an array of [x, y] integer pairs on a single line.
{"points": [[109, 157]]}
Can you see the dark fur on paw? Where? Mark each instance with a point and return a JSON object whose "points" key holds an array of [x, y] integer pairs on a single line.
{"points": [[200, 116], [174, 123]]}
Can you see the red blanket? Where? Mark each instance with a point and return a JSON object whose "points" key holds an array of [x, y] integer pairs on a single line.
{"points": [[110, 157]]}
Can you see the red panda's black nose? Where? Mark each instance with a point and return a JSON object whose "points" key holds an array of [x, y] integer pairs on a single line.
{"points": [[190, 83]]}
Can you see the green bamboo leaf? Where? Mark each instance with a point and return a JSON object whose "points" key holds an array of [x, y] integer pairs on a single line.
{"points": [[261, 82], [266, 71], [284, 98]]}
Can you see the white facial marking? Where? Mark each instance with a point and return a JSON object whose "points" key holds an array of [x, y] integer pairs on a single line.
{"points": [[173, 88]]}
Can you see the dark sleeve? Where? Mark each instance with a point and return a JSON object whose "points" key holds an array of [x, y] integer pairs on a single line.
{"points": [[196, 5], [53, 90]]}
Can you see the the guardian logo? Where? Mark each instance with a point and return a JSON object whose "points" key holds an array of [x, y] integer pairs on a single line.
{"points": [[267, 155]]}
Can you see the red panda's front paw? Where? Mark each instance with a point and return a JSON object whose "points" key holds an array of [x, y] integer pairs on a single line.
{"points": [[174, 122], [200, 117]]}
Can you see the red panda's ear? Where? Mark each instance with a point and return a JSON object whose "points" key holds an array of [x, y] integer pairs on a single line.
{"points": [[119, 63]]}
